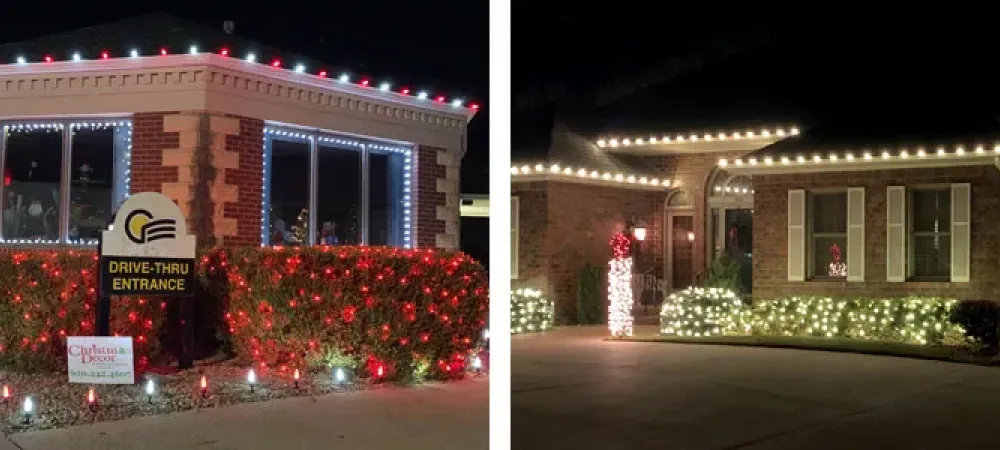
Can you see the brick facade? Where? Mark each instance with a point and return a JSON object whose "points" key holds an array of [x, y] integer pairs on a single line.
{"points": [[436, 198], [770, 234], [149, 140], [564, 225]]}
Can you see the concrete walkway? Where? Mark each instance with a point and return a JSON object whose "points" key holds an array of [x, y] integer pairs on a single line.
{"points": [[437, 416], [572, 390]]}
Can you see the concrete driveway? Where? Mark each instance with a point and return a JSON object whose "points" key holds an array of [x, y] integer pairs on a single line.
{"points": [[572, 390], [449, 416]]}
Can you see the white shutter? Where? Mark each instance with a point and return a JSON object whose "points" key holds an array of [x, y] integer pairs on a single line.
{"points": [[895, 252], [796, 235], [961, 210], [856, 234], [515, 219]]}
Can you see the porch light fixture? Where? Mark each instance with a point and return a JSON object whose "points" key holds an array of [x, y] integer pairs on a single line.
{"points": [[886, 155], [639, 233], [691, 137], [690, 236]]}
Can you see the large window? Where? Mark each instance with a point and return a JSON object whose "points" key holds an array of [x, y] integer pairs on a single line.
{"points": [[827, 223], [323, 189], [930, 237], [62, 180]]}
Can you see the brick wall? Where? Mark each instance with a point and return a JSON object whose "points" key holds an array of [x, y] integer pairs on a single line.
{"points": [[241, 212], [436, 198], [770, 240], [148, 142], [573, 228]]}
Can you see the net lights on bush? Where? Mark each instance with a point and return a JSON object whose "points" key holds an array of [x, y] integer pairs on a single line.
{"points": [[958, 152], [530, 311], [620, 287], [712, 312], [698, 137], [299, 68], [556, 170]]}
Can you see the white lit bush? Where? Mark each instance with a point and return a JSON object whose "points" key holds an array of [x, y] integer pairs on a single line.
{"points": [[702, 312], [530, 311], [711, 312]]}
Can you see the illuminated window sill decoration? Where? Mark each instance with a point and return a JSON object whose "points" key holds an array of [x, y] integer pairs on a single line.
{"points": [[620, 301], [530, 311], [865, 159], [615, 142], [532, 172], [698, 312], [134, 56]]}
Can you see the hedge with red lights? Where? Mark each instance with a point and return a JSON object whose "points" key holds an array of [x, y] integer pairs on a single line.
{"points": [[47, 295], [401, 311]]}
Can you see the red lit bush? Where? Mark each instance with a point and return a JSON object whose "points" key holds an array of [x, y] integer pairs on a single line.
{"points": [[396, 310], [47, 295]]}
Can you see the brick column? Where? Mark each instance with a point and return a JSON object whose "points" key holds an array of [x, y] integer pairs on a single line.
{"points": [[431, 210], [210, 165]]}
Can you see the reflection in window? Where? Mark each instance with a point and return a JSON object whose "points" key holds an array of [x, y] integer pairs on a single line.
{"points": [[289, 192], [33, 168], [385, 214], [930, 243], [339, 196], [92, 189], [828, 234]]}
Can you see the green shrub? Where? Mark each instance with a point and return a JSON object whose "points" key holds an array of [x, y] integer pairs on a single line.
{"points": [[980, 318], [588, 296], [709, 312], [387, 309], [530, 311], [724, 273], [700, 312]]}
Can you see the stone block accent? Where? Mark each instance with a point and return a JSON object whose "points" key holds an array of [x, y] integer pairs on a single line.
{"points": [[770, 235]]}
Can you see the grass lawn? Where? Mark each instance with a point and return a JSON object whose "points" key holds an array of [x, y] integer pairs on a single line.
{"points": [[935, 352]]}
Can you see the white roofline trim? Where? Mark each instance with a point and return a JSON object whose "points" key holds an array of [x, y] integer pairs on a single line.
{"points": [[866, 161], [557, 172], [775, 134]]}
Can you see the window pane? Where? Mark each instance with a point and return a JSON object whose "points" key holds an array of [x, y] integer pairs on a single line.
{"points": [[92, 182], [931, 211], [932, 256], [385, 189], [339, 196], [829, 256], [829, 213], [33, 166], [289, 192]]}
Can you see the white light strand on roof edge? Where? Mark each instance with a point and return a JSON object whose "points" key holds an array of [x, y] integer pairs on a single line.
{"points": [[582, 173], [693, 138], [251, 57], [903, 154]]}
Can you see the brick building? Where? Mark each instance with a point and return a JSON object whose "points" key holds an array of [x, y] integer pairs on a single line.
{"points": [[800, 212], [256, 145]]}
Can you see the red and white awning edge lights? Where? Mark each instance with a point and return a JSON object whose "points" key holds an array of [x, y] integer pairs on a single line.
{"points": [[687, 138], [583, 174], [251, 57]]}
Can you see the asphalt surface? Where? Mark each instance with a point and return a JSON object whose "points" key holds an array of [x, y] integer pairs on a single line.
{"points": [[573, 390]]}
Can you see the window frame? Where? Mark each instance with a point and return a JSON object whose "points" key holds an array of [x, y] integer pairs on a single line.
{"points": [[810, 235], [365, 146], [911, 234], [121, 184]]}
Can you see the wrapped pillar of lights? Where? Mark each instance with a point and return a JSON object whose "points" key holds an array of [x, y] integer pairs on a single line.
{"points": [[620, 287]]}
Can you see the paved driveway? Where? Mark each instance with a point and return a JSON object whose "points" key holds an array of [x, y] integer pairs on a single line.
{"points": [[572, 390]]}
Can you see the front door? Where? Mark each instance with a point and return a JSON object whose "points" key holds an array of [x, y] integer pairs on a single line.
{"points": [[681, 250], [739, 244]]}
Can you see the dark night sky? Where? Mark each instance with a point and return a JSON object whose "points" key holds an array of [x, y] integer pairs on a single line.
{"points": [[442, 44], [839, 68]]}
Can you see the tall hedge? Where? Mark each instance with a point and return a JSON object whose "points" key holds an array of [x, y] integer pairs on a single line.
{"points": [[399, 310]]}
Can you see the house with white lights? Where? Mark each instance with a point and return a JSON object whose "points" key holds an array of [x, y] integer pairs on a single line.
{"points": [[801, 211], [257, 146]]}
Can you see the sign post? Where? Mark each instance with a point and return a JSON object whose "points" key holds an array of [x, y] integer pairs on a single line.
{"points": [[147, 251]]}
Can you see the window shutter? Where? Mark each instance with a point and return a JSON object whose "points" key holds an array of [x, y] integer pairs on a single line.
{"points": [[514, 233], [895, 259], [856, 234], [961, 209], [796, 235]]}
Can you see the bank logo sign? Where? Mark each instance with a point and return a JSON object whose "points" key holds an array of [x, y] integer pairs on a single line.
{"points": [[100, 360], [147, 250], [141, 227]]}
